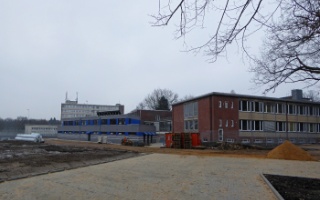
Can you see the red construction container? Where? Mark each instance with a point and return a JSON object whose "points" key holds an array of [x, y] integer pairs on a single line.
{"points": [[195, 139], [168, 140]]}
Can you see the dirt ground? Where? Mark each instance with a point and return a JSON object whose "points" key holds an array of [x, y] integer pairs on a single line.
{"points": [[20, 159], [25, 159]]}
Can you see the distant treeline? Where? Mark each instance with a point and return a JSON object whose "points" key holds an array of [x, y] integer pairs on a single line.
{"points": [[17, 125]]}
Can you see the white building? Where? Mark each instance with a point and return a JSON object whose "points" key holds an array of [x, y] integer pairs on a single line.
{"points": [[72, 109], [44, 130]]}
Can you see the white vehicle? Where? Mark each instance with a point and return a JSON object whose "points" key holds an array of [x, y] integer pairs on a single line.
{"points": [[33, 137]]}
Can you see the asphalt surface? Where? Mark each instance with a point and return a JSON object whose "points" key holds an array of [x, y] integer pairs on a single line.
{"points": [[161, 176]]}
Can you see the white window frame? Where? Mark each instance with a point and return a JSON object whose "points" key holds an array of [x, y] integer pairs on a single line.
{"points": [[230, 140], [220, 135]]}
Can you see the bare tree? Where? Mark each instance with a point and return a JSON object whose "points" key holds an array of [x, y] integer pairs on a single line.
{"points": [[312, 95], [234, 21], [291, 51], [153, 100], [186, 97]]}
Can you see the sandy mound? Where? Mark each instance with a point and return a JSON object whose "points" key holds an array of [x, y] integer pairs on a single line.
{"points": [[289, 151]]}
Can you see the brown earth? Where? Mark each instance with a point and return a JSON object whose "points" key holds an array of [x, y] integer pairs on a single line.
{"points": [[289, 151], [19, 159]]}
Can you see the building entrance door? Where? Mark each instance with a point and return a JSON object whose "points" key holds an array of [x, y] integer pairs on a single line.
{"points": [[220, 135]]}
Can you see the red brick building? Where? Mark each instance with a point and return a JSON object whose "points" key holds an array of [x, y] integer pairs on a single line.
{"points": [[249, 119]]}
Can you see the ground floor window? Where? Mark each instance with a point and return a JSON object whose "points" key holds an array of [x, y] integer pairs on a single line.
{"points": [[230, 140], [245, 141]]}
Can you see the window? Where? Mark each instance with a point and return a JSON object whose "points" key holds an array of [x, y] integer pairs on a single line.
{"points": [[281, 126], [270, 141], [301, 127], [113, 121], [281, 108], [220, 104], [190, 110], [186, 125], [291, 109], [312, 128], [232, 123], [256, 125], [244, 106], [231, 104], [229, 140], [258, 141], [258, 106], [226, 104], [245, 141], [226, 123], [220, 122], [292, 127], [191, 124], [220, 135], [244, 125], [269, 108], [196, 124]]}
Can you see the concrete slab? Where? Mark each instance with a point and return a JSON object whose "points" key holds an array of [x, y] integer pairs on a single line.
{"points": [[161, 176]]}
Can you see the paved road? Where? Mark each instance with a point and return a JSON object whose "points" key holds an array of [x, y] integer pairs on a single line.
{"points": [[160, 176]]}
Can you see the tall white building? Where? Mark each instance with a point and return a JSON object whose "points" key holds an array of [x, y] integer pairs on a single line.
{"points": [[72, 109]]}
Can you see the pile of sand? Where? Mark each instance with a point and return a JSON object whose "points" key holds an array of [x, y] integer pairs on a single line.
{"points": [[289, 151]]}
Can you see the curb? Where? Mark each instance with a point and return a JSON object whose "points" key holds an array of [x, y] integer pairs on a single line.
{"points": [[272, 188]]}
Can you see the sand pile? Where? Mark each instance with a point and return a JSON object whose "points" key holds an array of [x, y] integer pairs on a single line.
{"points": [[289, 151]]}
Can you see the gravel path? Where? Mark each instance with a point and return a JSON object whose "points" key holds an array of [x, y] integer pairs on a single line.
{"points": [[161, 176]]}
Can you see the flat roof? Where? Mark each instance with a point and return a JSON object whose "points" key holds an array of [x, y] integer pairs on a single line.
{"points": [[282, 99]]}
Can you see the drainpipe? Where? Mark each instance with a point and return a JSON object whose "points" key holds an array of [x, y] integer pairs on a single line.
{"points": [[287, 110], [210, 114]]}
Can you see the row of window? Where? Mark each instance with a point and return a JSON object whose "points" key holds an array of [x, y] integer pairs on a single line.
{"points": [[90, 107], [226, 123], [257, 125], [279, 108], [40, 128], [191, 124], [119, 121], [225, 104]]}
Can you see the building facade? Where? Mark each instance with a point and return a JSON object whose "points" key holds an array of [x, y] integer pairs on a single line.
{"points": [[222, 117], [161, 119], [44, 130], [72, 109]]}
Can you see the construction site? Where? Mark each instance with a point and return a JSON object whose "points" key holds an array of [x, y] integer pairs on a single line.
{"points": [[74, 169]]}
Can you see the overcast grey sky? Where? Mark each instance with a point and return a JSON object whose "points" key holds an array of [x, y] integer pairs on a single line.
{"points": [[107, 51]]}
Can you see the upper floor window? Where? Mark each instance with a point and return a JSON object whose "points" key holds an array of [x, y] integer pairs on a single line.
{"points": [[191, 110], [291, 109], [244, 105], [220, 104], [226, 104]]}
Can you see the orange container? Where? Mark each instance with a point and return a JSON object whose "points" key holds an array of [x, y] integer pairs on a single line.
{"points": [[195, 139], [168, 140]]}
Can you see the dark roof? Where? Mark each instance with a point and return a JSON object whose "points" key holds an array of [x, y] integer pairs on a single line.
{"points": [[247, 96]]}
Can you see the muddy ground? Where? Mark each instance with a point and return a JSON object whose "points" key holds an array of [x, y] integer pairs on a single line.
{"points": [[20, 159]]}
